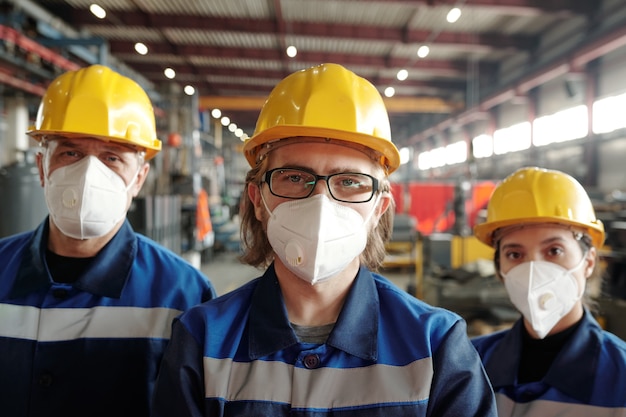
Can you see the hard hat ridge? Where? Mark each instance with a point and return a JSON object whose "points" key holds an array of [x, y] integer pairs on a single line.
{"points": [[98, 102], [534, 195], [325, 101]]}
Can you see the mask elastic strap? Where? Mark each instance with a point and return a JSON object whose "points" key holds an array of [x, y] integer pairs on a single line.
{"points": [[45, 162], [371, 213], [265, 204], [582, 261], [134, 180]]}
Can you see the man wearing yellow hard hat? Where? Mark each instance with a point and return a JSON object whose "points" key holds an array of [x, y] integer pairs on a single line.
{"points": [[86, 304], [320, 333], [555, 360]]}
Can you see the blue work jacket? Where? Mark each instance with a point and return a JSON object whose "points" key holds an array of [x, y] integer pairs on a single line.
{"points": [[389, 354], [91, 348], [587, 378]]}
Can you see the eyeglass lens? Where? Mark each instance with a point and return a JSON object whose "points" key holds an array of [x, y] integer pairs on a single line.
{"points": [[294, 183]]}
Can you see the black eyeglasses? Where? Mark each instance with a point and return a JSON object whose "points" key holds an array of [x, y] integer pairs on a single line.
{"points": [[349, 187]]}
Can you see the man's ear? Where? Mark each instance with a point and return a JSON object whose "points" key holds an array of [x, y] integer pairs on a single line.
{"points": [[141, 178], [254, 194], [384, 204], [39, 161]]}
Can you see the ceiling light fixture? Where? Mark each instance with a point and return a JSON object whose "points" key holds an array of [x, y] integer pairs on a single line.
{"points": [[169, 73], [423, 51], [141, 48], [453, 15], [97, 11], [292, 51], [390, 92], [402, 75]]}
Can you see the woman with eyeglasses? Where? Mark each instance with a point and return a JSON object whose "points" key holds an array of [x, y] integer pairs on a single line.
{"points": [[556, 360], [320, 334]]}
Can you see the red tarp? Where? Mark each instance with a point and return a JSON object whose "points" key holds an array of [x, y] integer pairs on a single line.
{"points": [[432, 204]]}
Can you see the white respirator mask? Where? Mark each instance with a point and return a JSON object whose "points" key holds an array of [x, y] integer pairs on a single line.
{"points": [[543, 292], [86, 199], [315, 237]]}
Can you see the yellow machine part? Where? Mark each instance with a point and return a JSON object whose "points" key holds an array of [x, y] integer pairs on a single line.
{"points": [[408, 254], [467, 249]]}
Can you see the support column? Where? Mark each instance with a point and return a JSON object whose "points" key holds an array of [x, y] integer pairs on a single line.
{"points": [[16, 142]]}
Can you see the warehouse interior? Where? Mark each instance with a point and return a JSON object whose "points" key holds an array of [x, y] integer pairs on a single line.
{"points": [[474, 88]]}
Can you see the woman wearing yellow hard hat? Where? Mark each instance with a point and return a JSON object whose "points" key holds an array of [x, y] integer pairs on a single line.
{"points": [[330, 335], [555, 360]]}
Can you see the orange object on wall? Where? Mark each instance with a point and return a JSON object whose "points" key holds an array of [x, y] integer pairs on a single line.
{"points": [[203, 216], [174, 140]]}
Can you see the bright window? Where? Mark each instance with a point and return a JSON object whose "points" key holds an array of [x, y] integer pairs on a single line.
{"points": [[608, 114], [568, 124], [511, 139], [423, 160], [405, 155], [432, 159], [482, 146], [456, 153]]}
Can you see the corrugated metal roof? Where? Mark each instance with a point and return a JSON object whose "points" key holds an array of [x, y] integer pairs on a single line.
{"points": [[230, 47]]}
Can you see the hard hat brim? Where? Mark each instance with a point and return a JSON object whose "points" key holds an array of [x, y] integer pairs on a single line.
{"points": [[151, 152], [484, 232], [390, 157]]}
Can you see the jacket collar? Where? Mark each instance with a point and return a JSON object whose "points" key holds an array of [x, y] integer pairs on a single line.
{"points": [[105, 276], [571, 370], [355, 332]]}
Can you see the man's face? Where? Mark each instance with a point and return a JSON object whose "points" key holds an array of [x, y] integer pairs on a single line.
{"points": [[121, 159], [321, 159]]}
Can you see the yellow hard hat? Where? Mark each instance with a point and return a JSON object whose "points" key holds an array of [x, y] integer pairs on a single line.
{"points": [[537, 195], [98, 102], [325, 101]]}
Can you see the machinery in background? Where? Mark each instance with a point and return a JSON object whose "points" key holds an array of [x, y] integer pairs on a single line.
{"points": [[611, 296], [23, 203], [461, 277], [432, 237], [405, 251], [159, 218]]}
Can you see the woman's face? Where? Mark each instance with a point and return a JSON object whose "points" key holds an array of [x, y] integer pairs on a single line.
{"points": [[545, 242]]}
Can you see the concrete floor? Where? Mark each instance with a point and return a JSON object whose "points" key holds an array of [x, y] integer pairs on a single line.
{"points": [[226, 272]]}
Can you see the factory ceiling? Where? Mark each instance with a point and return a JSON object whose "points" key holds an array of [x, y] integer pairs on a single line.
{"points": [[234, 51]]}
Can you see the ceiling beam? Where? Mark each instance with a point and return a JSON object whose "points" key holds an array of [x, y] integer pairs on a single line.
{"points": [[394, 104], [442, 68], [474, 41], [148, 69]]}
